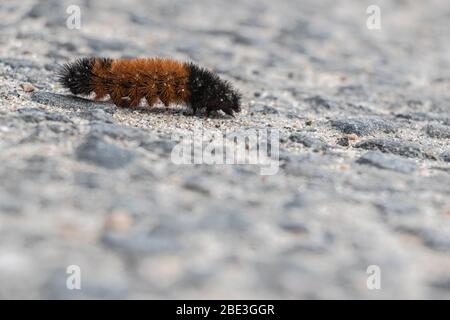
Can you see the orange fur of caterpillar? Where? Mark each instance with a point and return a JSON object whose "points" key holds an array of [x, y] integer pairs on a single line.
{"points": [[135, 79]]}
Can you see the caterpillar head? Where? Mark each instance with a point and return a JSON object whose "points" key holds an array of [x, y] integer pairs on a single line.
{"points": [[212, 93]]}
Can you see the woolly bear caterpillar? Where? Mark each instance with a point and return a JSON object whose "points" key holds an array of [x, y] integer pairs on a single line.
{"points": [[127, 81]]}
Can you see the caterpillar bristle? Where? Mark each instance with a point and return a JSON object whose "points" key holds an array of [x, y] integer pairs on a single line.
{"points": [[77, 76], [128, 81]]}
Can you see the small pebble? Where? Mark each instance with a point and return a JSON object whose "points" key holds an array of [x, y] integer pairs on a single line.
{"points": [[28, 87], [118, 221]]}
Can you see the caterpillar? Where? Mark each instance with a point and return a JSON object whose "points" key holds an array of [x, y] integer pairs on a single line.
{"points": [[128, 81]]}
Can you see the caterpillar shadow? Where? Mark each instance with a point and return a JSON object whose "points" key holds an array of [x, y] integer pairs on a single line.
{"points": [[74, 102]]}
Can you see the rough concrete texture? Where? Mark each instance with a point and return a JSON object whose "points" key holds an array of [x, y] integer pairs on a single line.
{"points": [[364, 124]]}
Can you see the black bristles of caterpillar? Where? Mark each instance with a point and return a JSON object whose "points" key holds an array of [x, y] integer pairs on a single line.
{"points": [[209, 91], [127, 81], [77, 76]]}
